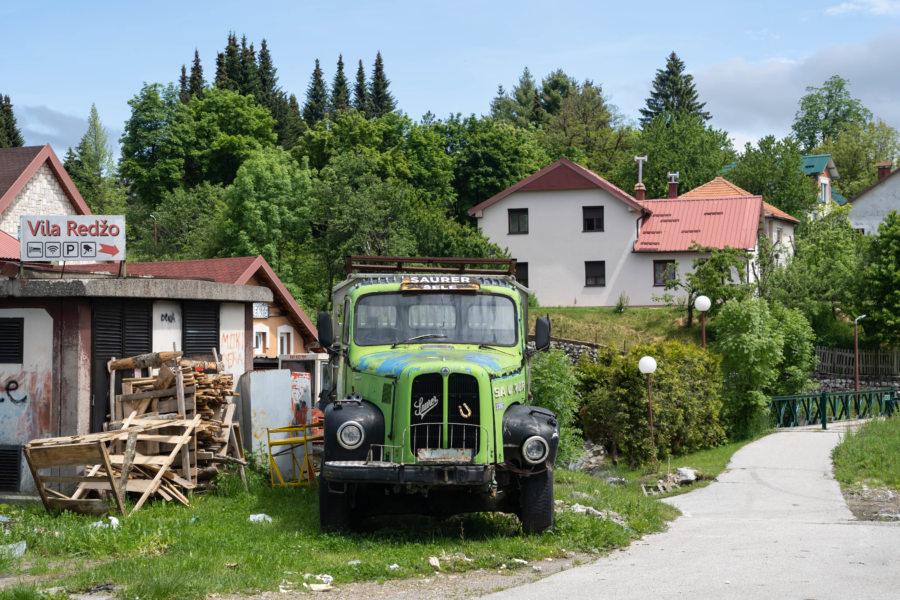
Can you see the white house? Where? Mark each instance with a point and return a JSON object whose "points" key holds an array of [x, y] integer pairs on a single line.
{"points": [[869, 208], [580, 240]]}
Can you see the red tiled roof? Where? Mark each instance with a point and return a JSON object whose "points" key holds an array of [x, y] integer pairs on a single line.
{"points": [[677, 224], [18, 166], [561, 175], [722, 188], [9, 246], [238, 270]]}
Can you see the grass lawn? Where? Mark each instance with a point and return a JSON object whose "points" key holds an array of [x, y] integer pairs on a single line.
{"points": [[619, 330], [870, 456], [171, 551]]}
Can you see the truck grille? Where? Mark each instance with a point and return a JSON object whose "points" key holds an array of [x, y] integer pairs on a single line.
{"points": [[427, 412]]}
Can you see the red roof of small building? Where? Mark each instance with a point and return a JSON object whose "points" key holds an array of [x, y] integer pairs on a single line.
{"points": [[722, 188], [677, 224], [237, 270], [9, 246], [18, 166], [561, 175]]}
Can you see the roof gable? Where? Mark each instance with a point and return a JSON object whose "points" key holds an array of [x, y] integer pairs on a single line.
{"points": [[717, 188], [561, 175], [18, 166], [891, 177], [816, 164]]}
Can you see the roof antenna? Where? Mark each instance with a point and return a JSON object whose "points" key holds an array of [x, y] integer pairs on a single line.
{"points": [[673, 177]]}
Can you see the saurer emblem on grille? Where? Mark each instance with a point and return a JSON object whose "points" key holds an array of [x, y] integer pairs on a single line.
{"points": [[423, 406], [464, 411]]}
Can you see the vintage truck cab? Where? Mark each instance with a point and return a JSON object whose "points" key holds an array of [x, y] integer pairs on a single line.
{"points": [[430, 410]]}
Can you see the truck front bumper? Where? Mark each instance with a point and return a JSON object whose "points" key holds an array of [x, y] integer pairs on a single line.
{"points": [[360, 471]]}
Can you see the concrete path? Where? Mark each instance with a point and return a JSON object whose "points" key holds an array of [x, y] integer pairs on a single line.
{"points": [[773, 526]]}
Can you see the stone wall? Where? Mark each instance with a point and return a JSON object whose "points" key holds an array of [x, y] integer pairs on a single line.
{"points": [[42, 195], [833, 384]]}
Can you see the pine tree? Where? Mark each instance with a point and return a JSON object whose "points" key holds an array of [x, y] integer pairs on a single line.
{"points": [[249, 77], [222, 82], [92, 169], [184, 93], [361, 93], [340, 90], [382, 100], [673, 93], [196, 82], [268, 81], [316, 98], [10, 135], [233, 62]]}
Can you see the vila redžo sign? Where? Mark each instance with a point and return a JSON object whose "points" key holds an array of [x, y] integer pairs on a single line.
{"points": [[69, 237]]}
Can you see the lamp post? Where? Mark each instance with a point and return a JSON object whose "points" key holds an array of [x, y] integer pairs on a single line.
{"points": [[702, 303], [856, 349], [647, 365], [154, 234]]}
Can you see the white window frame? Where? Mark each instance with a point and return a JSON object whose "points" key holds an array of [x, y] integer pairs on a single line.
{"points": [[260, 333]]}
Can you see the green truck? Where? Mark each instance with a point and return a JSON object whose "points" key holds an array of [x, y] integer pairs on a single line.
{"points": [[429, 412]]}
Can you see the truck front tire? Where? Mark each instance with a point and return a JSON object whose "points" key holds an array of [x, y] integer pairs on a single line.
{"points": [[537, 505]]}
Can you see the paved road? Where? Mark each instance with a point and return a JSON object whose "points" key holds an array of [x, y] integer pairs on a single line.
{"points": [[773, 526]]}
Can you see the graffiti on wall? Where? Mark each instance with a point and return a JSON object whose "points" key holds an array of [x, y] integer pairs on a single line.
{"points": [[10, 392], [232, 350]]}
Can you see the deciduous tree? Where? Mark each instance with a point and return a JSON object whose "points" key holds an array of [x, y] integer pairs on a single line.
{"points": [[826, 111], [856, 151], [882, 283]]}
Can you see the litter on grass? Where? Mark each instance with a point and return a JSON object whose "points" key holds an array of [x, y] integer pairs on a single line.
{"points": [[393, 567], [16, 550], [686, 474], [326, 579], [113, 522], [260, 518], [435, 562], [354, 562]]}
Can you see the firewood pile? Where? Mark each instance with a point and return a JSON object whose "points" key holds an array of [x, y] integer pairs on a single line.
{"points": [[169, 435]]}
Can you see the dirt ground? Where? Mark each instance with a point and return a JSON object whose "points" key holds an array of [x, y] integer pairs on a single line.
{"points": [[873, 504]]}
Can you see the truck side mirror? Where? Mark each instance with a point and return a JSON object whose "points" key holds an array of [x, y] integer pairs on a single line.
{"points": [[326, 332], [542, 333]]}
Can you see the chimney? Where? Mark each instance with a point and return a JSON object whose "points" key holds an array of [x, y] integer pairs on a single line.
{"points": [[884, 169], [673, 184], [640, 191]]}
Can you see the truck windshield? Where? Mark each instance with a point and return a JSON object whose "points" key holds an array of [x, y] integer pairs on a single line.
{"points": [[462, 318]]}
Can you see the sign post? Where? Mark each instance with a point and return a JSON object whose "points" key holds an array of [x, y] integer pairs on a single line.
{"points": [[72, 237]]}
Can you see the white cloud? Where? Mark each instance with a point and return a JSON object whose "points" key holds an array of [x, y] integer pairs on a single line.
{"points": [[873, 7], [751, 100]]}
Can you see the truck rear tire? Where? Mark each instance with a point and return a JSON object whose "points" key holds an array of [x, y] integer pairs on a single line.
{"points": [[536, 512], [334, 508]]}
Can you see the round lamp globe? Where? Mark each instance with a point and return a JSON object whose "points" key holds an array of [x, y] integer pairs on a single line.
{"points": [[702, 303], [647, 365]]}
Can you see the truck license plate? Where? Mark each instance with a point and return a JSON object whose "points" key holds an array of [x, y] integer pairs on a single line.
{"points": [[445, 455]]}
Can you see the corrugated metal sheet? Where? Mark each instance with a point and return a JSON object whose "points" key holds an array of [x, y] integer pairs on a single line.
{"points": [[677, 224]]}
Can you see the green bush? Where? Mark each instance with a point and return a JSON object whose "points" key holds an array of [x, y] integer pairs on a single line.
{"points": [[553, 386], [686, 405]]}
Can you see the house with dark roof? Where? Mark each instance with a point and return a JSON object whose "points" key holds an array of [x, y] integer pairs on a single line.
{"points": [[33, 182], [579, 240], [869, 208]]}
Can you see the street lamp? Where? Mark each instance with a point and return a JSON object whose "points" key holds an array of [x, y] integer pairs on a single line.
{"points": [[702, 303], [647, 365], [856, 348]]}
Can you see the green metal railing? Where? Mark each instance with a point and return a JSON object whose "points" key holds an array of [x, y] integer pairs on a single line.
{"points": [[818, 409]]}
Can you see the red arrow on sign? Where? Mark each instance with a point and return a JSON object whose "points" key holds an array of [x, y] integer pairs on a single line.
{"points": [[111, 250]]}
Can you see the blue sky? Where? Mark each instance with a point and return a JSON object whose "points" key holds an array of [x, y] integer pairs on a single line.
{"points": [[751, 60]]}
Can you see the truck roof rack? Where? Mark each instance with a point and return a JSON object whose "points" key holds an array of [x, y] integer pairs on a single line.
{"points": [[419, 264]]}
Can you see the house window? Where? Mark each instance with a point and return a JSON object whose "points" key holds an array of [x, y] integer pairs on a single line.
{"points": [[595, 273], [825, 197], [592, 217], [779, 231], [284, 342], [259, 342], [518, 220], [522, 273], [12, 332], [663, 271]]}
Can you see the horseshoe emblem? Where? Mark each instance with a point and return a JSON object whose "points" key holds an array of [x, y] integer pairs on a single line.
{"points": [[464, 411]]}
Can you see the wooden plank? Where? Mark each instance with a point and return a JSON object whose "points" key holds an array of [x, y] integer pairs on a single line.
{"points": [[82, 505], [80, 489], [78, 454], [156, 394], [226, 422], [73, 478], [127, 459], [189, 429], [234, 441], [37, 479], [152, 360], [109, 473], [185, 451], [139, 459]]}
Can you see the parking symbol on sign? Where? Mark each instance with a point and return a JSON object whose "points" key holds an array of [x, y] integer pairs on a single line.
{"points": [[70, 250]]}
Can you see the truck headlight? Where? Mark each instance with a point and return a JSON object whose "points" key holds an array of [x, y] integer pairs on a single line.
{"points": [[535, 449], [350, 435]]}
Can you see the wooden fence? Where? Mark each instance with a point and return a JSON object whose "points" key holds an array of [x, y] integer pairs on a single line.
{"points": [[838, 362]]}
